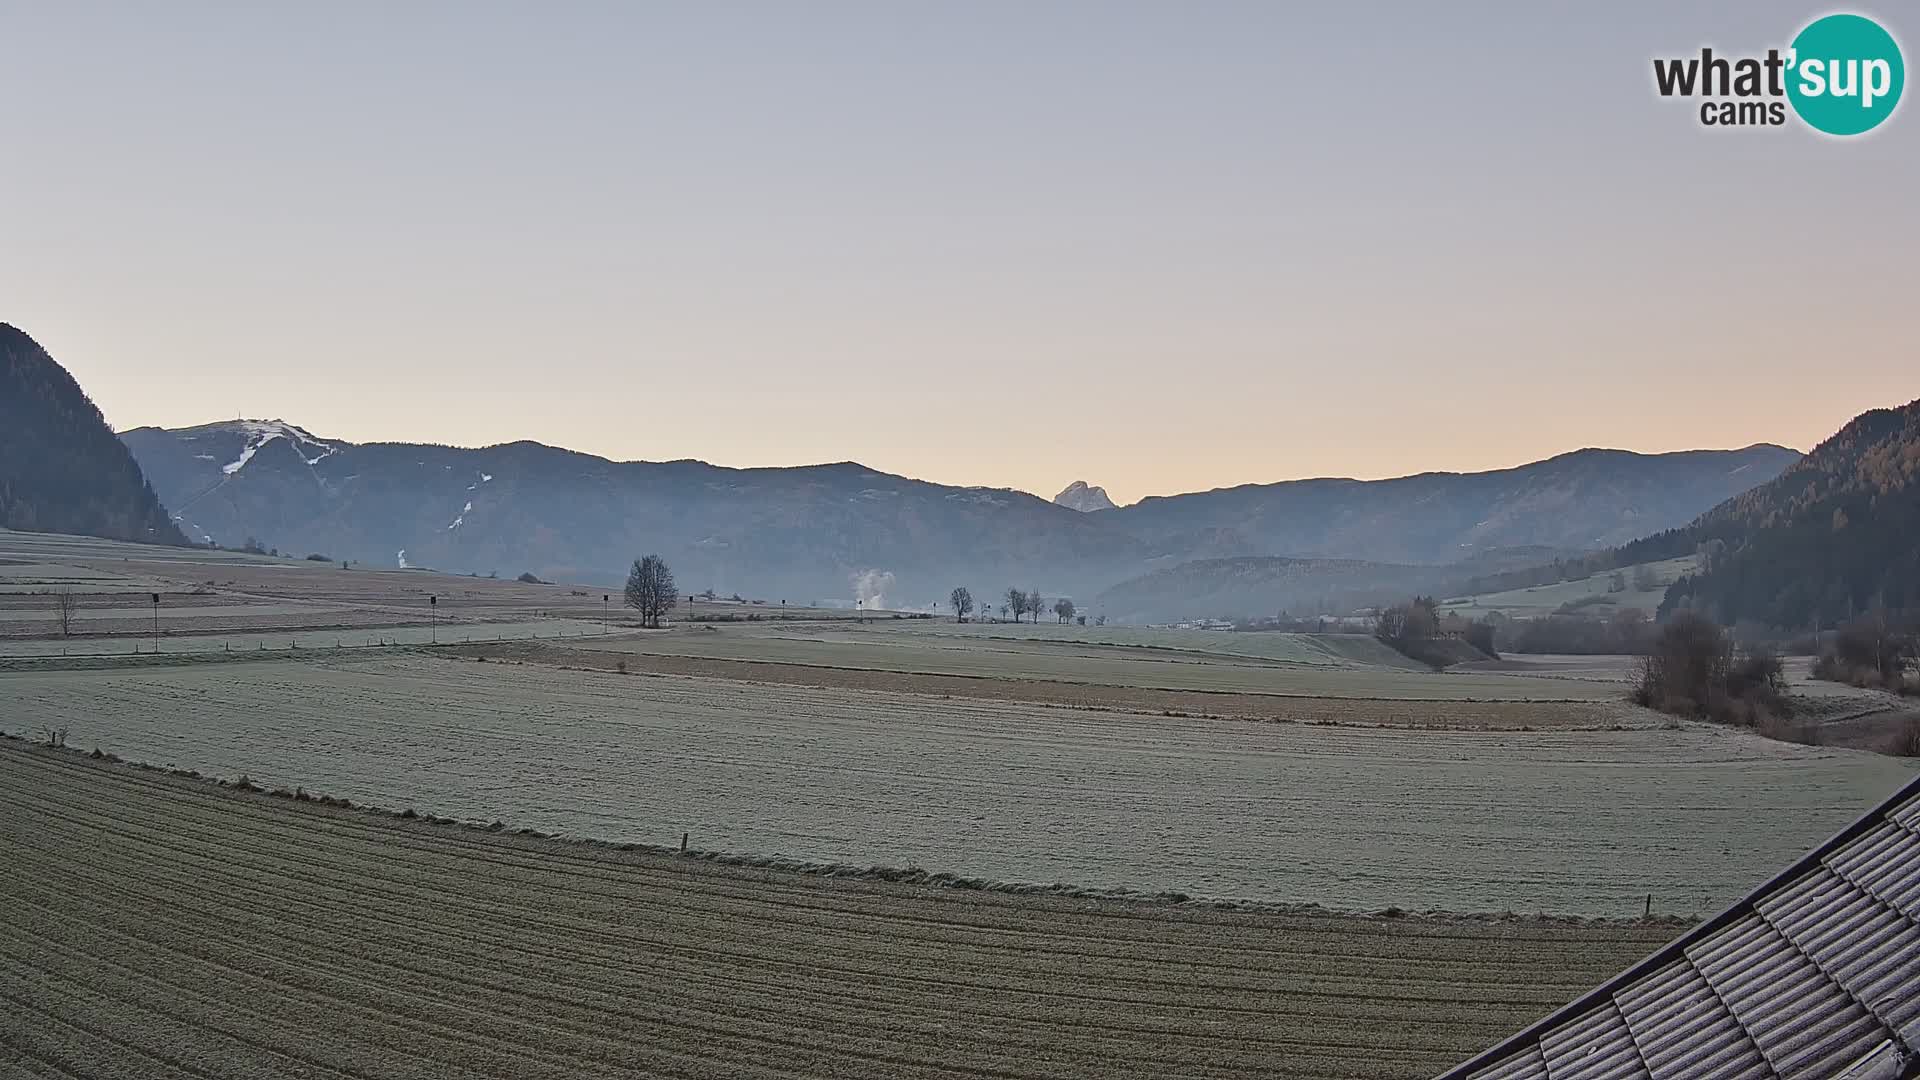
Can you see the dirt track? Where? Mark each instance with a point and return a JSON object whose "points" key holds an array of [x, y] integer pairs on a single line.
{"points": [[157, 926]]}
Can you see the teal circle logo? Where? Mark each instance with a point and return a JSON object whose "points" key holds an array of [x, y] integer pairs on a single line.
{"points": [[1845, 74]]}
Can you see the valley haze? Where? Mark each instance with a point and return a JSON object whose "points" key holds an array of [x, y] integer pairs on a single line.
{"points": [[810, 533]]}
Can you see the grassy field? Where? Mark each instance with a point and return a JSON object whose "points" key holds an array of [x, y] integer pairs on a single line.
{"points": [[1337, 669], [160, 927], [1360, 818], [1546, 599], [1336, 650]]}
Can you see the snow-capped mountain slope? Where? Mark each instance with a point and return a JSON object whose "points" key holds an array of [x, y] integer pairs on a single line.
{"points": [[802, 533], [810, 532], [258, 433]]}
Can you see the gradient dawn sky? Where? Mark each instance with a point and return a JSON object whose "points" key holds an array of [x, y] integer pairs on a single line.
{"points": [[1159, 247]]}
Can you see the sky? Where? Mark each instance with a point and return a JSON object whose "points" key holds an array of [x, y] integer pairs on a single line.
{"points": [[1159, 247]]}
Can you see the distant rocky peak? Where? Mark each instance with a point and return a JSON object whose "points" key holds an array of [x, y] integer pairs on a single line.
{"points": [[1080, 496]]}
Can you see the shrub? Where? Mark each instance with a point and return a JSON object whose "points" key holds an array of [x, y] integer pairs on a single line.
{"points": [[1584, 602], [1411, 621], [1626, 631], [1480, 635], [1786, 730], [1688, 660], [1870, 652], [317, 557], [528, 579], [1906, 741], [1693, 670], [1757, 672]]}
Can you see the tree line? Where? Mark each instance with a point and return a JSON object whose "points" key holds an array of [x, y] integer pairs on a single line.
{"points": [[1018, 604], [1416, 629]]}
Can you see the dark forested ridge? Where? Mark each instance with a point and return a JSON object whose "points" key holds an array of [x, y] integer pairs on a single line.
{"points": [[1836, 534], [62, 469]]}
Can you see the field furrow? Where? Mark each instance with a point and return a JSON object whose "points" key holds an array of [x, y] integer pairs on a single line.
{"points": [[161, 926]]}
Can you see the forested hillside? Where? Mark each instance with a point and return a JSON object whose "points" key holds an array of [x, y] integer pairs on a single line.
{"points": [[61, 467], [1837, 534]]}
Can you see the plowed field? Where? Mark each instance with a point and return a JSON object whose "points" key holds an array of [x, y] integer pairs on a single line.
{"points": [[159, 927]]}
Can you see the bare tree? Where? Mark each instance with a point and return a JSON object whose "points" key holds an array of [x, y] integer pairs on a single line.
{"points": [[1017, 602], [1403, 623], [962, 600], [64, 606], [1035, 605], [651, 590], [1063, 609], [1644, 579]]}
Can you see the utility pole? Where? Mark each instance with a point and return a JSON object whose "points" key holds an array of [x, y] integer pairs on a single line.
{"points": [[606, 613], [433, 620], [156, 622]]}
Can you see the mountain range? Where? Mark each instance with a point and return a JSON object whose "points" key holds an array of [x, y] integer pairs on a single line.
{"points": [[840, 531], [61, 469]]}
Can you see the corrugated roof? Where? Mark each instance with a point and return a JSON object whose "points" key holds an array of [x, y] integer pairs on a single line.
{"points": [[1815, 975]]}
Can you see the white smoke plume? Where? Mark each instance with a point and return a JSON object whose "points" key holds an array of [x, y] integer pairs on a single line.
{"points": [[870, 588]]}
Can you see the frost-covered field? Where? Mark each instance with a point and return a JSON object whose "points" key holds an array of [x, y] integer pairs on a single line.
{"points": [[1316, 649], [1296, 664], [1578, 822], [161, 927], [319, 635]]}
